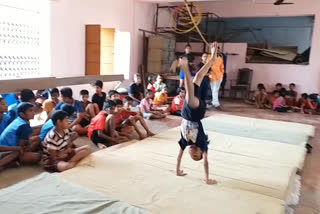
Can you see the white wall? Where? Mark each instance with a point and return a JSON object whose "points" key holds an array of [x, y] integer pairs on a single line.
{"points": [[68, 20], [307, 78]]}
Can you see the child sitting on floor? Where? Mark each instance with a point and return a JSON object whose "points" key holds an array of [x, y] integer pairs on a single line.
{"points": [[126, 119], [147, 109], [69, 109], [278, 87], [128, 105], [4, 118], [26, 95], [102, 130], [291, 99], [113, 95], [310, 105], [177, 102], [90, 109], [58, 152], [159, 84], [161, 99], [99, 97], [151, 81], [18, 133], [78, 122], [49, 104], [260, 98], [280, 102]]}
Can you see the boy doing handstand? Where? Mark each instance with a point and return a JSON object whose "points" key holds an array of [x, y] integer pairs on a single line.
{"points": [[193, 111]]}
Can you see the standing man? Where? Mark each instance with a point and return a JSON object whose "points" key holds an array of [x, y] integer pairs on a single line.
{"points": [[216, 76], [136, 90], [190, 58]]}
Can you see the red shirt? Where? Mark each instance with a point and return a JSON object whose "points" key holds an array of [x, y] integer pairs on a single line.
{"points": [[307, 106], [97, 123], [123, 115], [176, 101], [150, 87]]}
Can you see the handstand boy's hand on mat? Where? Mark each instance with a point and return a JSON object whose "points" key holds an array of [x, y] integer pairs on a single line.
{"points": [[193, 111]]}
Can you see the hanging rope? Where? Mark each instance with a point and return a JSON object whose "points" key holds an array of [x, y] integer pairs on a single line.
{"points": [[182, 16]]}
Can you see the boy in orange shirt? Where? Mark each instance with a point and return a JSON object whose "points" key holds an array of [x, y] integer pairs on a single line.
{"points": [[216, 76], [161, 99]]}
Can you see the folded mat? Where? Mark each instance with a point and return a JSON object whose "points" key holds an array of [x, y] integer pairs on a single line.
{"points": [[48, 193], [279, 131], [145, 172], [251, 147]]}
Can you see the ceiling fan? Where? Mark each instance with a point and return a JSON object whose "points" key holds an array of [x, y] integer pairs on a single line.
{"points": [[279, 2]]}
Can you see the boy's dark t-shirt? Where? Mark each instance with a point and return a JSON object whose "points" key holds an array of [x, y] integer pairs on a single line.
{"points": [[195, 115], [99, 100], [136, 90]]}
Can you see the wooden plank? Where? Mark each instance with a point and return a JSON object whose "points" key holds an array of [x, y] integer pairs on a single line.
{"points": [[93, 49], [16, 85], [88, 79]]}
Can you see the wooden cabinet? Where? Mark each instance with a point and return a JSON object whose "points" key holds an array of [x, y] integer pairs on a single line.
{"points": [[99, 50]]}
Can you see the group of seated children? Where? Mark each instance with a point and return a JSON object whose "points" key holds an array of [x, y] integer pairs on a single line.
{"points": [[155, 103], [283, 100], [19, 143]]}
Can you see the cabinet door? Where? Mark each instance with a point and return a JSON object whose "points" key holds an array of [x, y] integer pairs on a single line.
{"points": [[107, 51], [93, 49]]}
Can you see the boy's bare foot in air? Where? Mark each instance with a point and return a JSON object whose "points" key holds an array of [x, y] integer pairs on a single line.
{"points": [[101, 146]]}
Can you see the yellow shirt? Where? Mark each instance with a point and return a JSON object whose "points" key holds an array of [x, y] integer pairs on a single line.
{"points": [[217, 70], [48, 105], [160, 99]]}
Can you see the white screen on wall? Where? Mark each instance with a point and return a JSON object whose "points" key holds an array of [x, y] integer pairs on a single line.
{"points": [[24, 39]]}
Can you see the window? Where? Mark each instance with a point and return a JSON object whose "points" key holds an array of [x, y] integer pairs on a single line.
{"points": [[24, 39]]}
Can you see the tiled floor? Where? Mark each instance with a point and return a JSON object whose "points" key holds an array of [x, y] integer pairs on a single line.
{"points": [[310, 198]]}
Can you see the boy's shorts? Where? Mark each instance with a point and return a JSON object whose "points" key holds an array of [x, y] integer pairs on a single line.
{"points": [[51, 165], [84, 123], [146, 115], [96, 139]]}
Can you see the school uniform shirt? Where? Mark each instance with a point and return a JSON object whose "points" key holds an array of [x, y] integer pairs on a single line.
{"points": [[217, 70], [160, 99], [78, 109], [97, 123], [56, 142], [99, 100], [4, 122], [145, 105], [18, 129], [13, 111], [45, 129], [136, 90], [176, 101]]}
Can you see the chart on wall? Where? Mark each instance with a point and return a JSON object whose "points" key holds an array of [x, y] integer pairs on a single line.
{"points": [[24, 39]]}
